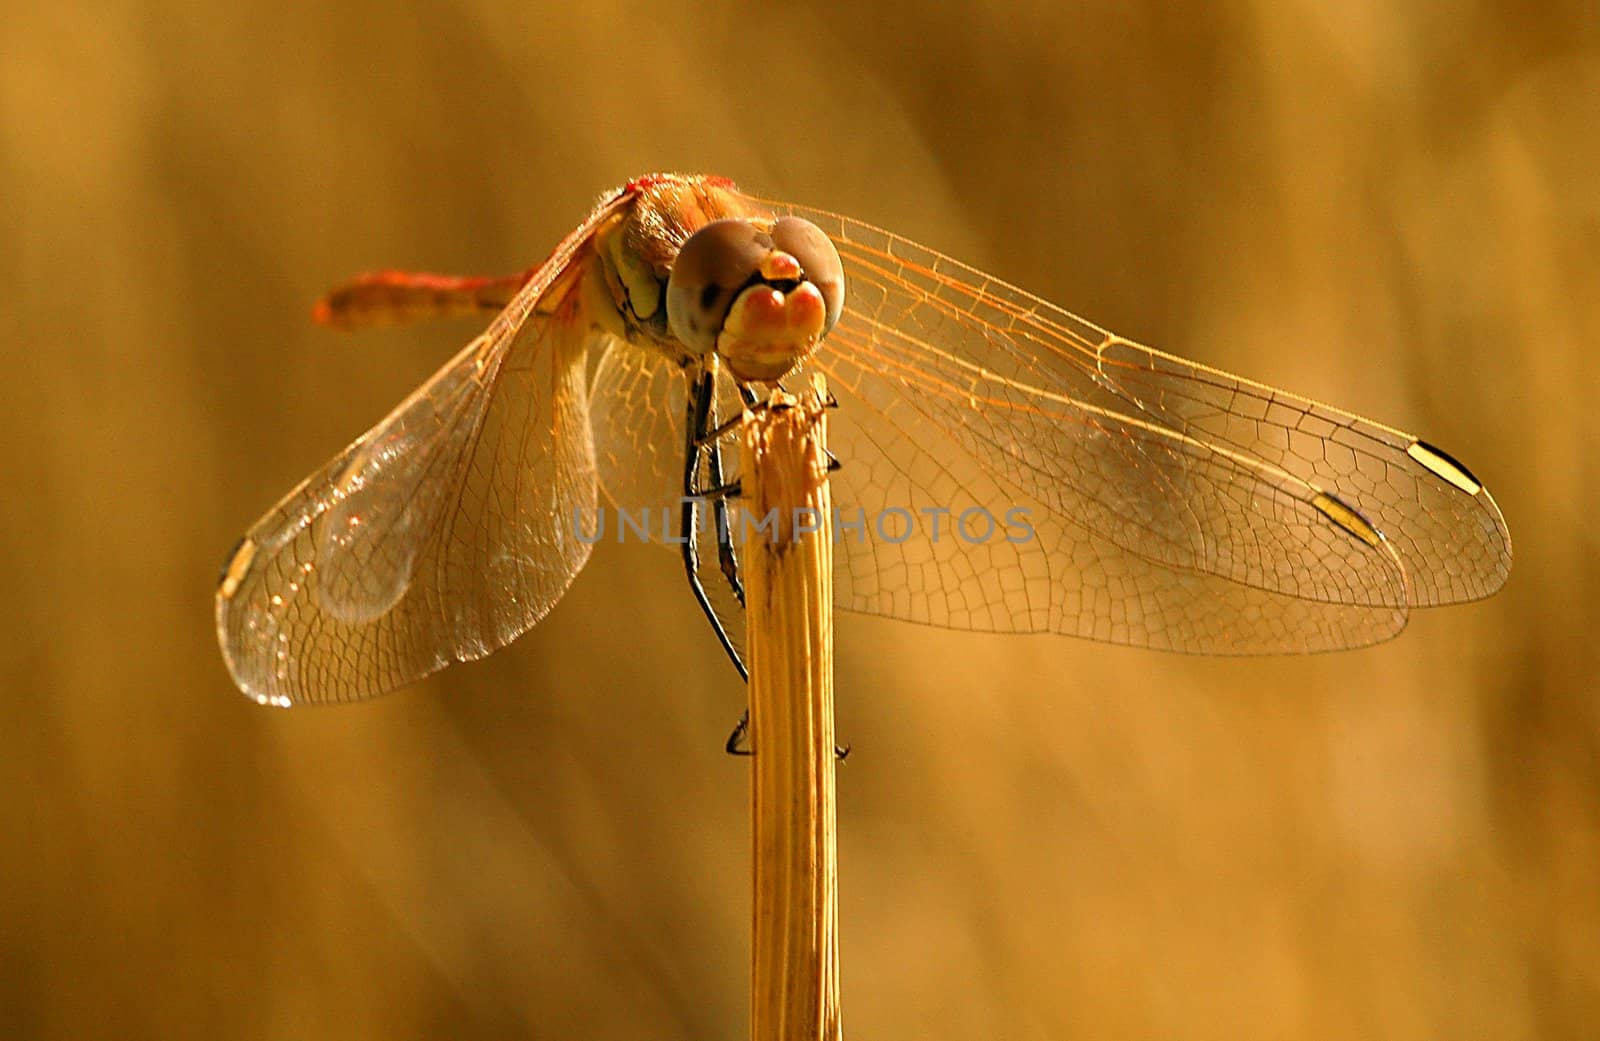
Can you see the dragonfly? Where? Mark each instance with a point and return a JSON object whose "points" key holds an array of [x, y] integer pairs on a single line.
{"points": [[1003, 466]]}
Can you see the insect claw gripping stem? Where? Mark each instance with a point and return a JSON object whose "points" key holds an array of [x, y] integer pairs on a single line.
{"points": [[739, 741]]}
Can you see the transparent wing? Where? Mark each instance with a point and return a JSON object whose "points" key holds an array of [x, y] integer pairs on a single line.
{"points": [[1172, 505], [638, 401], [930, 532], [441, 534], [908, 547]]}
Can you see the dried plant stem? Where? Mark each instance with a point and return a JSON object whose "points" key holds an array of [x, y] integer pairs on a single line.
{"points": [[789, 626]]}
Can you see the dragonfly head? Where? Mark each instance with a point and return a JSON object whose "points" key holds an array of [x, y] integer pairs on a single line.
{"points": [[762, 297]]}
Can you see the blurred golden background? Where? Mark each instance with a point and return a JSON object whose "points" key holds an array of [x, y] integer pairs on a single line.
{"points": [[1393, 207]]}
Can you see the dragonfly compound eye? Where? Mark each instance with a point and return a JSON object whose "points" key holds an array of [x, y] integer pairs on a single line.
{"points": [[763, 299], [819, 261]]}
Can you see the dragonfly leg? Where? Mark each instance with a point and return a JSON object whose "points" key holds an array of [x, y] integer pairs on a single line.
{"points": [[738, 741], [720, 430], [704, 435], [701, 393], [728, 490], [828, 401], [727, 562], [720, 493]]}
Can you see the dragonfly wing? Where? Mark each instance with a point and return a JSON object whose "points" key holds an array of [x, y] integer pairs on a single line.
{"points": [[920, 307], [930, 530], [441, 534], [1009, 401], [1444, 525], [638, 401]]}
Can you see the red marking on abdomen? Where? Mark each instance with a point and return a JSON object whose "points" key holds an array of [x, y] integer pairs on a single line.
{"points": [[391, 297]]}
